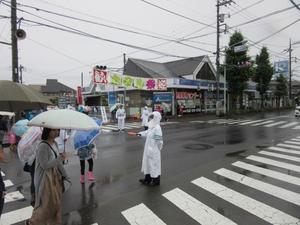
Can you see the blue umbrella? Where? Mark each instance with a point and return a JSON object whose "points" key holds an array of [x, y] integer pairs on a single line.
{"points": [[84, 138], [20, 127]]}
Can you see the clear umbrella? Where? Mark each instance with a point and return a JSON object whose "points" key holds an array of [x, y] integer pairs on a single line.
{"points": [[64, 119]]}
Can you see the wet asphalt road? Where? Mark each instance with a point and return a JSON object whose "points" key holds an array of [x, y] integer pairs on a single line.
{"points": [[191, 150]]}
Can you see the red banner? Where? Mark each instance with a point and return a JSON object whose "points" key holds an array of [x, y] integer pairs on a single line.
{"points": [[79, 96], [186, 95]]}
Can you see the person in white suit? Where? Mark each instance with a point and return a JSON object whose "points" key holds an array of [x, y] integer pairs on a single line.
{"points": [[151, 165], [121, 115], [145, 117]]}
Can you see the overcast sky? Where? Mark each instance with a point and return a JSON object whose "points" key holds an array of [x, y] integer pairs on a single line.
{"points": [[51, 53]]}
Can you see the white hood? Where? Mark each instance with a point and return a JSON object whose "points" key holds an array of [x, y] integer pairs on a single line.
{"points": [[156, 119]]}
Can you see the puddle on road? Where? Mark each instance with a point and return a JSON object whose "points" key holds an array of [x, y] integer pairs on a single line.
{"points": [[198, 146]]}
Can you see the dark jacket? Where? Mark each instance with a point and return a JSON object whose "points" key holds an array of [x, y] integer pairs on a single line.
{"points": [[3, 125], [2, 186]]}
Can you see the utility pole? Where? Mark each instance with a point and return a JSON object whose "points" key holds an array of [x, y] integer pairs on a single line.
{"points": [[21, 73], [124, 63], [14, 42], [290, 69], [220, 19]]}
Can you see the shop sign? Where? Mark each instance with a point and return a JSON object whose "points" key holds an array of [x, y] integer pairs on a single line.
{"points": [[189, 82], [186, 95], [162, 84], [116, 79], [162, 97], [79, 96]]}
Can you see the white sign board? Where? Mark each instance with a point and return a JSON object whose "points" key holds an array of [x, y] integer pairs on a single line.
{"points": [[103, 114], [240, 48]]}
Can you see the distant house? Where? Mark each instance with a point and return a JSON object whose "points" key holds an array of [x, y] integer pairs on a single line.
{"points": [[57, 92]]}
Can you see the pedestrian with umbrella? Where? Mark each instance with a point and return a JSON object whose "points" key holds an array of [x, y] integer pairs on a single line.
{"points": [[27, 152], [49, 173], [86, 150]]}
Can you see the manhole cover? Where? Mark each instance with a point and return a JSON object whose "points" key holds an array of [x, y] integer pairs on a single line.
{"points": [[201, 147]]}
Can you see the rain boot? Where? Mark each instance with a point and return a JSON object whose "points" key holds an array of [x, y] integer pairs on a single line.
{"points": [[155, 181], [81, 179], [90, 176], [146, 180]]}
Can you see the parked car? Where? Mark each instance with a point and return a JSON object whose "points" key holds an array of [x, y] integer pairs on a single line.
{"points": [[297, 111]]}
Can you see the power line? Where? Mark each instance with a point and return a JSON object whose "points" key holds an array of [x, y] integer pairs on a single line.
{"points": [[95, 23], [271, 35], [263, 17], [296, 5], [177, 14]]}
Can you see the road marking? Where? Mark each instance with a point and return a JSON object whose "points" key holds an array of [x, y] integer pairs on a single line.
{"points": [[295, 139], [13, 196], [141, 215], [3, 174], [250, 122], [292, 158], [274, 124], [8, 183], [262, 123], [239, 121], [289, 125], [287, 166], [289, 146], [292, 142], [196, 209], [200, 121], [267, 172], [285, 150], [259, 209], [16, 216], [270, 189], [296, 128]]}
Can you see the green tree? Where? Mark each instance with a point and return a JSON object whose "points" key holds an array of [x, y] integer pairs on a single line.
{"points": [[237, 75], [281, 88], [263, 73]]}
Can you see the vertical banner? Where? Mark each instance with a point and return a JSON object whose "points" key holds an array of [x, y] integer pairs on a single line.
{"points": [[103, 114], [79, 96]]}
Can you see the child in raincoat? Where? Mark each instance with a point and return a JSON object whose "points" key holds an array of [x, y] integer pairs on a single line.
{"points": [[87, 153]]}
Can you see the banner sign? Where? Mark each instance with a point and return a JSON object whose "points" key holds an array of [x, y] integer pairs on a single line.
{"points": [[159, 97], [100, 76], [186, 95], [281, 67], [79, 96]]}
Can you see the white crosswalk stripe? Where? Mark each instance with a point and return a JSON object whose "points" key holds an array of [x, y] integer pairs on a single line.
{"points": [[270, 189], [16, 216], [141, 215], [289, 125], [251, 122], [3, 174], [285, 150], [292, 158], [262, 123], [292, 142], [275, 124], [196, 209], [257, 208], [13, 196], [8, 183], [283, 165], [267, 172], [289, 146]]}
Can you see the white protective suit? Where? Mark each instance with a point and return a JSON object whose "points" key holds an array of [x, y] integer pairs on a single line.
{"points": [[145, 116], [121, 115], [61, 140], [154, 142]]}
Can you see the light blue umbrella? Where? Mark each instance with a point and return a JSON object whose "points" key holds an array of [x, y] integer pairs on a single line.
{"points": [[84, 138], [20, 127]]}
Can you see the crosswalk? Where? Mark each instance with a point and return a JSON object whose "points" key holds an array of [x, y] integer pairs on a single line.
{"points": [[129, 126], [254, 123], [277, 162], [19, 213]]}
